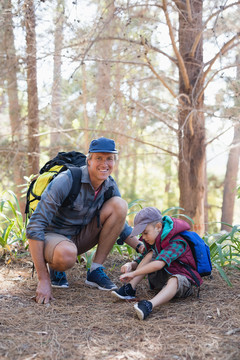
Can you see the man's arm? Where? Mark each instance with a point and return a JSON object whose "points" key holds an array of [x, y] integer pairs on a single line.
{"points": [[135, 244], [44, 289], [51, 200]]}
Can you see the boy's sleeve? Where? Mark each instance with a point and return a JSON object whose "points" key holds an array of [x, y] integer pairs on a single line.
{"points": [[172, 252]]}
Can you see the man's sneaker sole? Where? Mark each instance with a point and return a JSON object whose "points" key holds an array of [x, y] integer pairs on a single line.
{"points": [[65, 286], [118, 296], [93, 284], [139, 312]]}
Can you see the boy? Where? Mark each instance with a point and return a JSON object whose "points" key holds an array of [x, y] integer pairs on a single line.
{"points": [[162, 261]]}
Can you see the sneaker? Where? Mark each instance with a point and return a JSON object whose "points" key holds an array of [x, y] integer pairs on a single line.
{"points": [[99, 279], [126, 292], [58, 279], [143, 308]]}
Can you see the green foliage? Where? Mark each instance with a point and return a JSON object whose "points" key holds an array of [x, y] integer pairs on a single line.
{"points": [[12, 226], [87, 257], [225, 251]]}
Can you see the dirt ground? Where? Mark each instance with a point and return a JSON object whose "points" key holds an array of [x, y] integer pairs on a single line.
{"points": [[86, 324]]}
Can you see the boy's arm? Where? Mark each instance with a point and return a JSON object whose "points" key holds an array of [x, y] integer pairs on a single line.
{"points": [[172, 252], [143, 270], [129, 266]]}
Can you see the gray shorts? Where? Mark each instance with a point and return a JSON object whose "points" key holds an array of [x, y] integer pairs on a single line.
{"points": [[84, 241], [158, 280]]}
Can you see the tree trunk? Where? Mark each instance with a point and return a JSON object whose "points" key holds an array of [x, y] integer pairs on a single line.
{"points": [[103, 81], [191, 119], [11, 68], [104, 52], [230, 181], [32, 91], [85, 114], [57, 77]]}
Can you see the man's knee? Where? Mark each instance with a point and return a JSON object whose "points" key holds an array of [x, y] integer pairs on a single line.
{"points": [[64, 256], [117, 206]]}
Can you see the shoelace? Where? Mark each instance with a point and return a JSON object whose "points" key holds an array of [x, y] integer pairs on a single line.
{"points": [[59, 275], [127, 288], [102, 273], [148, 305]]}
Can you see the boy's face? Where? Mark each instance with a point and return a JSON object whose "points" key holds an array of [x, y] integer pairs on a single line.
{"points": [[151, 232]]}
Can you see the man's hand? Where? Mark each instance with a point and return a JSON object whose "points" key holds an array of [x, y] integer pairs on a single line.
{"points": [[44, 292], [127, 276], [141, 249]]}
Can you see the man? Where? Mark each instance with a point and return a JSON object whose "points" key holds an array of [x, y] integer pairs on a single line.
{"points": [[57, 234]]}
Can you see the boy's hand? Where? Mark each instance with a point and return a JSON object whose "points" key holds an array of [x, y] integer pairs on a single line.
{"points": [[127, 276], [126, 267]]}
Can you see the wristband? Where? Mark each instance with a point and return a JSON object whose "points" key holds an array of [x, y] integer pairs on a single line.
{"points": [[137, 247]]}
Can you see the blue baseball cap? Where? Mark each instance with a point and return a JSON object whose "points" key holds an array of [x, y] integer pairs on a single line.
{"points": [[102, 145]]}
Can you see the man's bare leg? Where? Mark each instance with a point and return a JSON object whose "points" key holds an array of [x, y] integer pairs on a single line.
{"points": [[112, 216]]}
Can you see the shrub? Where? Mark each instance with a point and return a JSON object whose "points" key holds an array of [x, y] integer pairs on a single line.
{"points": [[12, 226]]}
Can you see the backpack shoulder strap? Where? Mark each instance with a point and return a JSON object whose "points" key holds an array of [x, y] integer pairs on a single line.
{"points": [[76, 185], [108, 193]]}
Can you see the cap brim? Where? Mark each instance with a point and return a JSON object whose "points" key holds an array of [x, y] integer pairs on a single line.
{"points": [[104, 151], [138, 229]]}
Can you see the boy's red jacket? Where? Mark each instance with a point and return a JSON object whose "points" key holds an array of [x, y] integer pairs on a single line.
{"points": [[171, 228]]}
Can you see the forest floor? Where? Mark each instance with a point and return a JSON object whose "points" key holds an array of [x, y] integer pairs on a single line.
{"points": [[86, 324]]}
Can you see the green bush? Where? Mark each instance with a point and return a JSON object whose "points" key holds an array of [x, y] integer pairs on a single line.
{"points": [[225, 251], [12, 226]]}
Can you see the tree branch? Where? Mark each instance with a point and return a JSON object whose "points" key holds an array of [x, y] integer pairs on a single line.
{"points": [[198, 37], [131, 41], [189, 11], [107, 131], [153, 113], [181, 64], [222, 51], [159, 77], [217, 136], [211, 78]]}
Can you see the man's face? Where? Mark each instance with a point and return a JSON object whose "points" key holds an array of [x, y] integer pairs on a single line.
{"points": [[100, 166]]}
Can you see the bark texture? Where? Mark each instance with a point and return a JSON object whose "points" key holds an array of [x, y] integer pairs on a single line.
{"points": [[191, 119], [11, 69], [33, 120], [230, 181], [57, 77], [231, 176]]}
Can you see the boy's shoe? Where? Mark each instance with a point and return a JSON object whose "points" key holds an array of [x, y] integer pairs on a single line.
{"points": [[58, 279], [99, 279], [126, 292], [143, 308]]}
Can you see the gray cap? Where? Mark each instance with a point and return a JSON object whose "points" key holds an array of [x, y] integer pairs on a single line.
{"points": [[144, 217]]}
